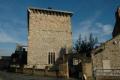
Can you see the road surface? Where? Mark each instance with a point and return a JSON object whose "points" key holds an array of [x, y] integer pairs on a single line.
{"points": [[16, 76]]}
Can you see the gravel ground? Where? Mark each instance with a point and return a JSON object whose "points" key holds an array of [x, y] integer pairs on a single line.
{"points": [[16, 76]]}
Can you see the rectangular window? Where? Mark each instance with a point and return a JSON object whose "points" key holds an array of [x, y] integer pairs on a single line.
{"points": [[51, 58]]}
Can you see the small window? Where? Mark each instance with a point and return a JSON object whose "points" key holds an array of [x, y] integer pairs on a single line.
{"points": [[51, 58]]}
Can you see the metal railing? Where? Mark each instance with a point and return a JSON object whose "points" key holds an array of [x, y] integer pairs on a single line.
{"points": [[107, 72]]}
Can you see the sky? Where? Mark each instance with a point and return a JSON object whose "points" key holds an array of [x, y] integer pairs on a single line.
{"points": [[89, 16]]}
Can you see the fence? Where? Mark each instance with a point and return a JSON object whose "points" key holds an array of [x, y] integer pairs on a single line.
{"points": [[107, 74]]}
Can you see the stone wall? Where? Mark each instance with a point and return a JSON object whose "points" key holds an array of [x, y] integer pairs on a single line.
{"points": [[111, 52], [49, 31], [87, 70]]}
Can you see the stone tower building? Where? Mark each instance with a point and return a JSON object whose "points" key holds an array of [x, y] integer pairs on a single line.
{"points": [[49, 36]]}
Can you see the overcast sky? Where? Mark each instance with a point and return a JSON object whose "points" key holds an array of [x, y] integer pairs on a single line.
{"points": [[90, 16]]}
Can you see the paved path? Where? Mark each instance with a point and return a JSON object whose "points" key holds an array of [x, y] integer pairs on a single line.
{"points": [[15, 76]]}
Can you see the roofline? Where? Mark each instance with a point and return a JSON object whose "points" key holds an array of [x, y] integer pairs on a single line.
{"points": [[50, 10], [103, 44]]}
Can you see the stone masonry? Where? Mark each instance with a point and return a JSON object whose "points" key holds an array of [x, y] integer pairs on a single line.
{"points": [[49, 31], [110, 50], [106, 58]]}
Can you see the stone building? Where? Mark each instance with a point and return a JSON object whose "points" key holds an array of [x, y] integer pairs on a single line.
{"points": [[5, 62], [49, 36], [106, 58]]}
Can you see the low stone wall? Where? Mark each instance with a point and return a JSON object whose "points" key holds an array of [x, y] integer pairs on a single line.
{"points": [[40, 72]]}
